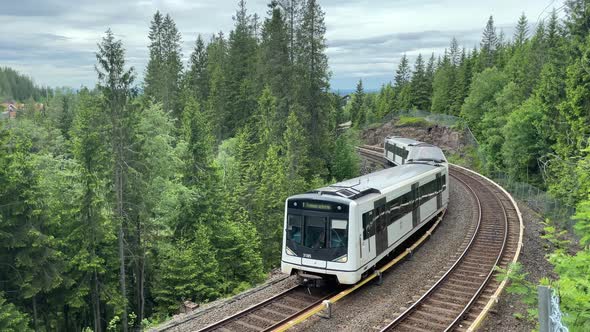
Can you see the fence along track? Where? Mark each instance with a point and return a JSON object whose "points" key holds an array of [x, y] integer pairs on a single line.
{"points": [[455, 301], [273, 312]]}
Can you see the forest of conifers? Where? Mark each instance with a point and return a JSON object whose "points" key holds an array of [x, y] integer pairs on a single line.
{"points": [[120, 201]]}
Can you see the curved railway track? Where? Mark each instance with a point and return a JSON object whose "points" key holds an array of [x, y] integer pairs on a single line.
{"points": [[273, 312], [456, 301]]}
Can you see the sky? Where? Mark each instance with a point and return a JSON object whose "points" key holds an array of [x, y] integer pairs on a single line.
{"points": [[54, 41]]}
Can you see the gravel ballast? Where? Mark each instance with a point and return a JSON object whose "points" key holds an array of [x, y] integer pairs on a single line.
{"points": [[222, 308]]}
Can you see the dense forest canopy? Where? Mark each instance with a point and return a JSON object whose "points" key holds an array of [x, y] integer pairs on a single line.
{"points": [[17, 87], [119, 203]]}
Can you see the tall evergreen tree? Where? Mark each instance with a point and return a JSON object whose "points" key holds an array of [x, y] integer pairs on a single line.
{"points": [[420, 86], [489, 44], [241, 79], [522, 31], [403, 97], [115, 84], [162, 79], [357, 110], [313, 77], [197, 76], [276, 68]]}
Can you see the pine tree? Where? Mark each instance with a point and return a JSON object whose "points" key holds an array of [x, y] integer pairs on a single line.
{"points": [[114, 83], [296, 153], [385, 101], [216, 110], [420, 85], [455, 52], [489, 44], [93, 233], [162, 81], [188, 270], [313, 82], [270, 205], [197, 76], [357, 110], [241, 64], [276, 68], [403, 97], [442, 86], [522, 30]]}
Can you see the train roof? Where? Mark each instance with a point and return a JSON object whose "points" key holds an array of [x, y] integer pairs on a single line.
{"points": [[373, 183], [402, 140], [426, 152]]}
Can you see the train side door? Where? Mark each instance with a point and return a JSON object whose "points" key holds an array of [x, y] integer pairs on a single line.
{"points": [[415, 205], [439, 186], [381, 226]]}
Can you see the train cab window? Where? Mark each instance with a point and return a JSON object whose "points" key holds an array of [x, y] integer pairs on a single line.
{"points": [[368, 224], [294, 228], [315, 232], [338, 233]]}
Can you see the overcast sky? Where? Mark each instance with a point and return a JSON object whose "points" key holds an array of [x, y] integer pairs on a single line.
{"points": [[54, 40]]}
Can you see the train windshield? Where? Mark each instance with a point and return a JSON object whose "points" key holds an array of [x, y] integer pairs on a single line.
{"points": [[315, 232], [338, 233], [312, 232], [294, 228]]}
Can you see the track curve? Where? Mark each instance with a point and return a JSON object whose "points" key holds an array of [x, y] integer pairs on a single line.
{"points": [[457, 298]]}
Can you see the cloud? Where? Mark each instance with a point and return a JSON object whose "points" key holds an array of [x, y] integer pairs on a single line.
{"points": [[54, 40]]}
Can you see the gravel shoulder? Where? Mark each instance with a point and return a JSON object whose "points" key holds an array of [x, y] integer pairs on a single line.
{"points": [[222, 308], [532, 257], [372, 307]]}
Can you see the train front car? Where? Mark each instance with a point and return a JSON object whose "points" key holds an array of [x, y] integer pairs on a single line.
{"points": [[316, 239]]}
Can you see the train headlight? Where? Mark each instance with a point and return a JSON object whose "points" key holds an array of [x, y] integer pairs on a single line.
{"points": [[290, 252], [341, 259]]}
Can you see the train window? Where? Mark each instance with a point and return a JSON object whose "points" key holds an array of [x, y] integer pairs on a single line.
{"points": [[315, 232], [394, 210], [338, 233], [294, 228], [368, 225]]}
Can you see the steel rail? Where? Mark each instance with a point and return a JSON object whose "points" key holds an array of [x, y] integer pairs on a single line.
{"points": [[418, 302]]}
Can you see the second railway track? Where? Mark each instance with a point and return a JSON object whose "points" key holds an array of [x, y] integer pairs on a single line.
{"points": [[459, 296], [272, 312], [456, 301]]}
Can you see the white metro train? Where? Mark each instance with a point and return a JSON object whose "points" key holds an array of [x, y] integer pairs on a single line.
{"points": [[399, 150], [343, 230]]}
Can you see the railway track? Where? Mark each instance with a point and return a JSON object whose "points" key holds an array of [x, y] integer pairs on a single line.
{"points": [[461, 294], [272, 312], [373, 154]]}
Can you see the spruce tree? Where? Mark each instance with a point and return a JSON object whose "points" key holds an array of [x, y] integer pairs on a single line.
{"points": [[489, 44], [403, 97], [162, 79], [420, 86], [197, 76], [357, 110], [242, 87], [115, 84], [313, 82], [522, 31], [276, 69]]}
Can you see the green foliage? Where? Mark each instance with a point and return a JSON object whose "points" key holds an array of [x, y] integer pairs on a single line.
{"points": [[410, 121], [11, 319], [358, 112], [346, 158], [188, 270], [523, 288]]}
